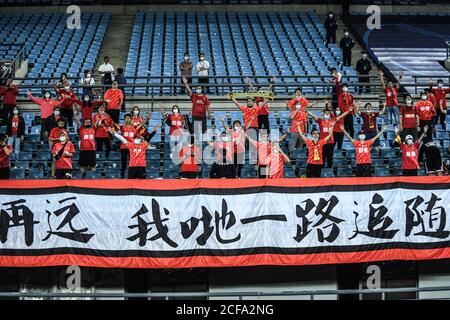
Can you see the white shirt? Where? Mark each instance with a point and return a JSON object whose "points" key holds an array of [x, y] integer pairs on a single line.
{"points": [[89, 81], [106, 68], [203, 64]]}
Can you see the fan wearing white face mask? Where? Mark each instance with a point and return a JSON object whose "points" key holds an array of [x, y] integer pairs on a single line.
{"points": [[362, 148], [327, 125], [440, 92], [69, 99], [409, 118], [15, 130], [391, 92], [370, 121], [223, 167], [410, 152], [63, 152], [345, 102], [426, 112], [175, 121], [200, 105]]}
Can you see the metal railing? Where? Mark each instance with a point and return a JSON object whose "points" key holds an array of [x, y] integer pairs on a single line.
{"points": [[311, 294], [447, 47], [16, 63]]}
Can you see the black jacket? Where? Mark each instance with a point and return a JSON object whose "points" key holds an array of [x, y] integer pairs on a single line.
{"points": [[347, 43], [20, 128], [330, 24], [363, 66]]}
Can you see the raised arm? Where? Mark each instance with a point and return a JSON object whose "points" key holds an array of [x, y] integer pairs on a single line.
{"points": [[300, 132], [382, 79], [383, 111], [343, 115], [348, 136], [330, 134], [312, 115], [234, 100], [32, 98], [247, 81], [118, 136], [399, 80], [186, 84], [425, 130], [224, 124], [76, 117], [253, 142], [379, 134]]}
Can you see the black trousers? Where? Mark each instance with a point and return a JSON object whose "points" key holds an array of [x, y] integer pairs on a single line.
{"points": [[348, 125], [363, 170], [68, 114], [103, 141], [338, 139], [331, 36], [327, 153], [263, 122], [314, 170], [124, 155], [114, 114], [440, 118], [410, 173], [61, 173], [137, 173], [347, 58], [222, 171], [334, 100], [7, 112], [189, 175], [430, 124], [362, 87], [238, 162], [4, 173]]}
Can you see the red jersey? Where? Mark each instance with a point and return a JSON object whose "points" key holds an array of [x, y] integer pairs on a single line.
{"points": [[87, 110], [299, 118], [55, 133], [229, 150], [391, 97], [441, 96], [175, 122], [339, 123], [363, 151], [63, 162], [264, 107], [370, 121], [14, 125], [128, 132], [9, 94], [276, 165], [138, 154], [345, 101], [87, 138], [409, 116], [4, 159], [238, 141], [410, 156], [137, 121], [325, 129], [115, 96], [432, 99], [303, 103], [315, 151], [264, 151], [101, 130], [250, 116], [425, 110], [199, 105], [190, 164], [68, 98]]}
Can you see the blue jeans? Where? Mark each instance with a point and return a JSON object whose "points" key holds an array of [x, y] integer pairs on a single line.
{"points": [[393, 114]]}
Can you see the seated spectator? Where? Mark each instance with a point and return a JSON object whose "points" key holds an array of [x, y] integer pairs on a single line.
{"points": [[370, 121], [15, 130], [5, 152], [63, 152], [362, 147]]}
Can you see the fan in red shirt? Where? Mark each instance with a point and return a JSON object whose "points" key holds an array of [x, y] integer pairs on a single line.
{"points": [[370, 121], [62, 152], [276, 161], [298, 118], [68, 99], [410, 153], [250, 113], [87, 159], [137, 120], [175, 121], [391, 93], [54, 136], [200, 105], [190, 158], [102, 121], [238, 140], [315, 151], [263, 114], [327, 124], [129, 132], [88, 106], [114, 98], [138, 161], [5, 152], [440, 93], [345, 103], [298, 98], [409, 119], [362, 147], [426, 112], [9, 92], [223, 167]]}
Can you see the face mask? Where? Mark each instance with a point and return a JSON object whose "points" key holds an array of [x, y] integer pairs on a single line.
{"points": [[369, 111], [297, 107], [424, 97], [409, 102], [86, 99], [362, 137], [225, 139], [67, 88], [440, 85], [409, 142], [101, 112], [186, 58], [137, 141], [16, 112], [345, 89], [330, 15], [62, 138], [364, 56], [202, 58], [315, 139], [87, 126], [326, 117], [114, 87], [338, 112], [88, 75], [346, 34], [175, 111], [47, 95], [57, 113], [236, 127], [298, 95], [135, 112], [198, 91]]}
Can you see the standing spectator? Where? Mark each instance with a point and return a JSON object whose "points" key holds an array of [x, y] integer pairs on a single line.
{"points": [[102, 121], [223, 166], [331, 27], [326, 125], [338, 134], [128, 131], [9, 93], [409, 119], [426, 112], [276, 161], [315, 151], [203, 72], [345, 103], [298, 99], [87, 82], [363, 67], [347, 45], [47, 106], [53, 138], [362, 148], [391, 93], [88, 159], [114, 99], [52, 122], [190, 157], [263, 114], [186, 70], [175, 121], [200, 105], [298, 118], [370, 122], [15, 130], [87, 107], [433, 158], [122, 82], [238, 139], [136, 119], [63, 152], [107, 72], [440, 94], [5, 152], [68, 99], [410, 153], [62, 80], [346, 8], [336, 79]]}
